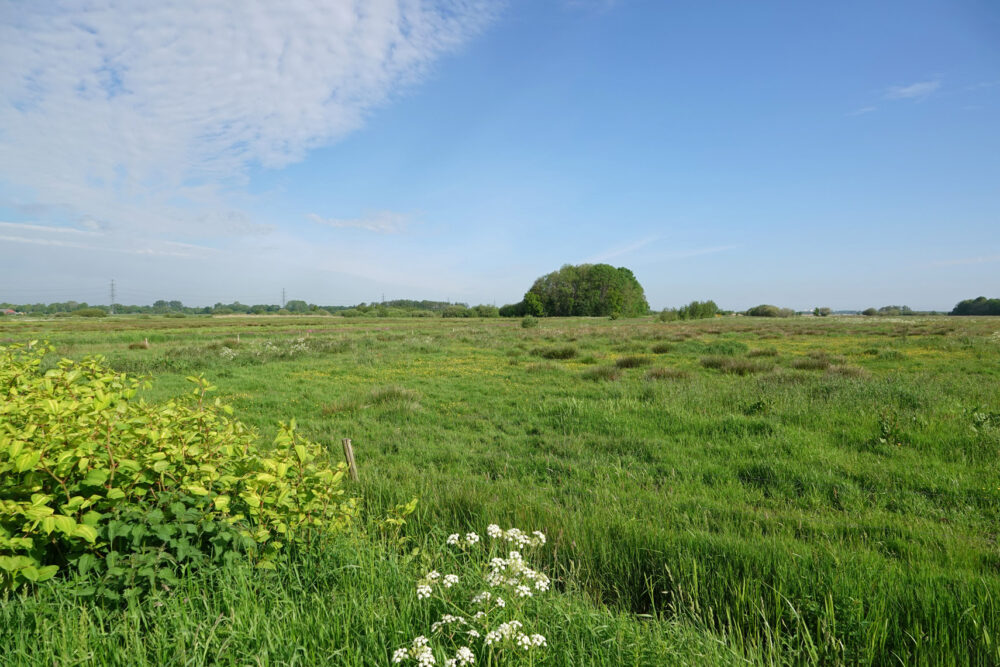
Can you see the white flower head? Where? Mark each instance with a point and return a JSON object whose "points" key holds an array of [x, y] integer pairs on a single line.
{"points": [[450, 580], [454, 538], [471, 538], [493, 530]]}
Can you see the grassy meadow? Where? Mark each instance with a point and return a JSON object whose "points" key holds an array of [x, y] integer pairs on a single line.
{"points": [[726, 491]]}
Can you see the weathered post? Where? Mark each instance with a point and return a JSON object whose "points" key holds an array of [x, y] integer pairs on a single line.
{"points": [[352, 467]]}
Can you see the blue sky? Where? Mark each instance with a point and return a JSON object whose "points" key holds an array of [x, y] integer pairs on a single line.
{"points": [[802, 154]]}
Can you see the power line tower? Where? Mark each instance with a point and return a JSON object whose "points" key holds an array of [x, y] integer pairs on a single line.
{"points": [[282, 297], [112, 296]]}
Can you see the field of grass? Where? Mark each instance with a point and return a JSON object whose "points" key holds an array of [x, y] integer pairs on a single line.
{"points": [[724, 491]]}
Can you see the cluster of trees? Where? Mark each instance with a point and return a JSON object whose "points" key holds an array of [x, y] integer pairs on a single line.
{"points": [[978, 306], [696, 310], [589, 290], [767, 310]]}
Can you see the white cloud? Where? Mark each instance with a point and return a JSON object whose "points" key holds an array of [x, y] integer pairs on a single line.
{"points": [[383, 222], [146, 117], [618, 251], [918, 90], [862, 111]]}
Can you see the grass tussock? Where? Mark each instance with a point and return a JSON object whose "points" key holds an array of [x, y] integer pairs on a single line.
{"points": [[394, 397], [632, 361], [564, 352], [811, 363], [735, 366], [602, 373], [661, 348], [846, 371], [667, 374], [763, 352], [141, 345]]}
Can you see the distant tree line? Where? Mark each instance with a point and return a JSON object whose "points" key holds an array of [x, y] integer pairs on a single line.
{"points": [[978, 306], [587, 290], [696, 310], [396, 308]]}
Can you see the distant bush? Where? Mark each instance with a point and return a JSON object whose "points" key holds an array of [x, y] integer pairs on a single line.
{"points": [[174, 315], [529, 322], [457, 311], [978, 306], [350, 312], [89, 312], [869, 312], [821, 312], [486, 311], [698, 310], [166, 486], [767, 310], [669, 315]]}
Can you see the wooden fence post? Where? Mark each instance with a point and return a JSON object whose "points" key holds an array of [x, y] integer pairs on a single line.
{"points": [[352, 467]]}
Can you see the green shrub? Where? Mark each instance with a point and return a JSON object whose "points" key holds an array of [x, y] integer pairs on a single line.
{"points": [[89, 312], [94, 479], [529, 322], [766, 310]]}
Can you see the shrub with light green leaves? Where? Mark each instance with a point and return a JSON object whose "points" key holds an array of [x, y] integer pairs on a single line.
{"points": [[95, 479]]}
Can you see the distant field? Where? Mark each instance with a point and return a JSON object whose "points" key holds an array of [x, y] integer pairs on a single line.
{"points": [[801, 490]]}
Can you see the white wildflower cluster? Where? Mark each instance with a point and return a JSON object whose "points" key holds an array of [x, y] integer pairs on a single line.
{"points": [[418, 651], [463, 656], [491, 624], [514, 572], [457, 540], [447, 620], [227, 353], [995, 337], [510, 633], [426, 585], [516, 536]]}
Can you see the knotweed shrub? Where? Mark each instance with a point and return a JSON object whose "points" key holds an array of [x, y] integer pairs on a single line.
{"points": [[632, 362], [486, 600], [94, 479], [529, 322]]}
